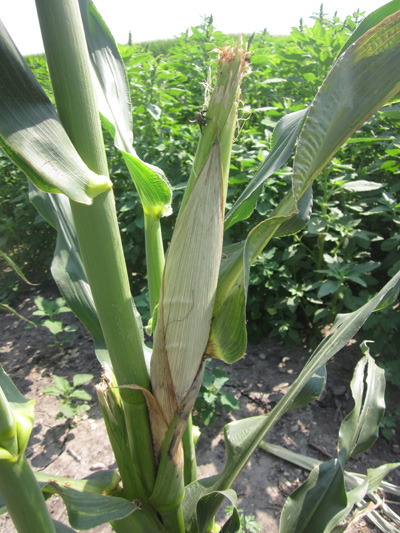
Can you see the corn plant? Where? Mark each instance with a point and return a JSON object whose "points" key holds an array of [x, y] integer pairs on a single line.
{"points": [[197, 290]]}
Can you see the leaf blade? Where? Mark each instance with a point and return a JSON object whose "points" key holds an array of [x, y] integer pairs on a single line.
{"points": [[31, 133]]}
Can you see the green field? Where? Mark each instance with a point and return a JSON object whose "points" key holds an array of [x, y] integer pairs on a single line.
{"points": [[351, 243]]}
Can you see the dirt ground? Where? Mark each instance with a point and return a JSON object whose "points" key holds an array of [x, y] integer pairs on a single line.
{"points": [[258, 380]]}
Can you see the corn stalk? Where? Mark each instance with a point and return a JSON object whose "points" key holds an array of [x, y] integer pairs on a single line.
{"points": [[197, 293]]}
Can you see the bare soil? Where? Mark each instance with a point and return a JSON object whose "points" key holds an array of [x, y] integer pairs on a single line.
{"points": [[258, 380]]}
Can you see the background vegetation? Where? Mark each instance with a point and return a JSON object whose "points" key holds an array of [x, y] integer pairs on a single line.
{"points": [[352, 238]]}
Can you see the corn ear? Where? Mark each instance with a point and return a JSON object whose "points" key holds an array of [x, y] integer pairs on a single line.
{"points": [[193, 259]]}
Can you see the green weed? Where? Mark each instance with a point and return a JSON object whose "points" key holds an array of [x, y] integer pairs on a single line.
{"points": [[212, 396], [52, 309], [73, 399]]}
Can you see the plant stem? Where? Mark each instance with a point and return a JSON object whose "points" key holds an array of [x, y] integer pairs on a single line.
{"points": [[154, 258], [189, 454], [97, 225], [23, 497]]}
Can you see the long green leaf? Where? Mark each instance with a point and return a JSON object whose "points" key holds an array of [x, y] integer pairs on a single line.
{"points": [[321, 502], [207, 507], [242, 437], [360, 429], [112, 91], [284, 138], [228, 337], [101, 482], [67, 267], [32, 136], [364, 77], [317, 501], [62, 528], [372, 20], [15, 267], [87, 510], [8, 309], [374, 479]]}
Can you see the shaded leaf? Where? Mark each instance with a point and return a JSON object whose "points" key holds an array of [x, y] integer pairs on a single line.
{"points": [[312, 389], [9, 309], [67, 267], [360, 429], [87, 510], [15, 267], [317, 501], [208, 506], [62, 528]]}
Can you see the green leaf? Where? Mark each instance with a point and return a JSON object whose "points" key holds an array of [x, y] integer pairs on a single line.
{"points": [[242, 437], [233, 524], [9, 309], [114, 104], [82, 379], [317, 501], [351, 93], [22, 410], [229, 401], [81, 395], [329, 123], [54, 326], [360, 429], [208, 506], [375, 476], [67, 410], [79, 409], [52, 390], [61, 383], [15, 267], [100, 482], [312, 389], [151, 184], [284, 138], [362, 186], [328, 287], [67, 267], [154, 111], [87, 510], [228, 337], [62, 528], [31, 133], [372, 20]]}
